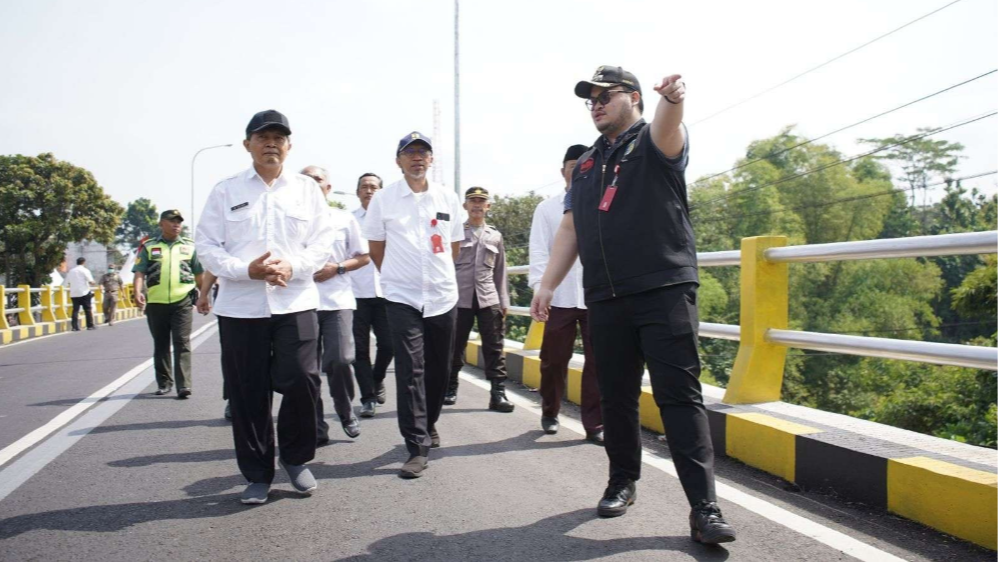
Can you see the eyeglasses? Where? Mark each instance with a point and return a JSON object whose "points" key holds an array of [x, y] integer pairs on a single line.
{"points": [[603, 99], [424, 152]]}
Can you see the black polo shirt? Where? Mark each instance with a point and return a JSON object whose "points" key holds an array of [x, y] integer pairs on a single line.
{"points": [[644, 239]]}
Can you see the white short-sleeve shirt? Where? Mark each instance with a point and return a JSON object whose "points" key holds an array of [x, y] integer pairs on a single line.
{"points": [[412, 273], [366, 281], [336, 293]]}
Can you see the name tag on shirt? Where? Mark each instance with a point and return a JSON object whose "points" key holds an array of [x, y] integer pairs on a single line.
{"points": [[605, 203], [443, 217], [240, 206]]}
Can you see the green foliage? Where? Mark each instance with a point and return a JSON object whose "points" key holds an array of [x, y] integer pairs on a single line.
{"points": [[512, 216], [139, 220], [949, 299], [46, 204], [336, 204]]}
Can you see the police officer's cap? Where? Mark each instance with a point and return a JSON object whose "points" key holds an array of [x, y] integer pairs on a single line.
{"points": [[409, 139], [170, 215], [605, 77], [477, 193], [268, 119]]}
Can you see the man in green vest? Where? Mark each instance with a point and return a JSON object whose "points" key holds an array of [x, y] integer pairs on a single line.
{"points": [[169, 268]]}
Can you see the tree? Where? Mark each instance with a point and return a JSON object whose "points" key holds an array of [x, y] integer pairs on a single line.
{"points": [[140, 220], [921, 160], [46, 204]]}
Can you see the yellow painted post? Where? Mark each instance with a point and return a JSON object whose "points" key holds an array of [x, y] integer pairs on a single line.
{"points": [[535, 333], [25, 317], [758, 372], [48, 313], [98, 305], [3, 309], [60, 303], [126, 296]]}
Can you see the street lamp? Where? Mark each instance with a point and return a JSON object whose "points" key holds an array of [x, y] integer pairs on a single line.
{"points": [[192, 177]]}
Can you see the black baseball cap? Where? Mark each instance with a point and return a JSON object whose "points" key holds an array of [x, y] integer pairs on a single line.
{"points": [[574, 152], [477, 193], [409, 139], [268, 118], [171, 215], [605, 77]]}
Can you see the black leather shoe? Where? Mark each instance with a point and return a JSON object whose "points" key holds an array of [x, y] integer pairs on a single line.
{"points": [[550, 425], [435, 439], [451, 398], [617, 497], [596, 437], [380, 393], [707, 525], [183, 393], [351, 428], [368, 409], [413, 468]]}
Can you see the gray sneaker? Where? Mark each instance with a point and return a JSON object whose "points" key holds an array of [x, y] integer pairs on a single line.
{"points": [[368, 409], [255, 493], [301, 478]]}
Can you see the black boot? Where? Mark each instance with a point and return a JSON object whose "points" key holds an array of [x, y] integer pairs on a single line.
{"points": [[707, 524], [497, 398]]}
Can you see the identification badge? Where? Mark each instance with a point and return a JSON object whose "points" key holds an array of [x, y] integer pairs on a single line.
{"points": [[605, 203], [443, 216], [438, 243]]}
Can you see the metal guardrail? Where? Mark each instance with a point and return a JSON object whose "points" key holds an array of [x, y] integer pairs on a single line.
{"points": [[768, 306]]}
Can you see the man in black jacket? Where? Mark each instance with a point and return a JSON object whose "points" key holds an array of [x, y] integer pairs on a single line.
{"points": [[642, 297]]}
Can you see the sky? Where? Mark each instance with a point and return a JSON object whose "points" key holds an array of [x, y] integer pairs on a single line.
{"points": [[132, 90]]}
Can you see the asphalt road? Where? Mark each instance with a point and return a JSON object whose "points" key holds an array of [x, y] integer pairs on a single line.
{"points": [[141, 477]]}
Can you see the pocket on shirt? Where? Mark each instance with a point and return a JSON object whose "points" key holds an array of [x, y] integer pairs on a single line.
{"points": [[238, 224], [491, 255]]}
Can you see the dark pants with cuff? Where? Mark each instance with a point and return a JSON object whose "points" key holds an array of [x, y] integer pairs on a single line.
{"points": [[171, 323], [422, 348], [490, 322], [261, 356], [657, 328], [371, 314], [336, 358], [84, 303], [556, 352]]}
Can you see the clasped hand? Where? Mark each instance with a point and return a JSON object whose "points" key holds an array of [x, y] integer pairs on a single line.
{"points": [[276, 271]]}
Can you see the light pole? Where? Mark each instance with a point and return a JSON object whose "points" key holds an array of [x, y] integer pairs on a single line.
{"points": [[193, 158]]}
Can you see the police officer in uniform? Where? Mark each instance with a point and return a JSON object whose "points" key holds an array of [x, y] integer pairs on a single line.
{"points": [[112, 284], [169, 267], [482, 296], [626, 215]]}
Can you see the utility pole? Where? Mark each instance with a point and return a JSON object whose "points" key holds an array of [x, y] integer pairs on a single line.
{"points": [[438, 168], [457, 111]]}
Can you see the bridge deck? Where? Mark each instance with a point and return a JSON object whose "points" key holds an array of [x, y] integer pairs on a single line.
{"points": [[137, 476]]}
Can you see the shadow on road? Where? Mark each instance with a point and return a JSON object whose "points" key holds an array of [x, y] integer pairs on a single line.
{"points": [[547, 539]]}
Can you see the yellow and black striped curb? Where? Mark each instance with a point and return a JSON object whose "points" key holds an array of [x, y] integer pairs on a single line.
{"points": [[949, 494], [21, 333]]}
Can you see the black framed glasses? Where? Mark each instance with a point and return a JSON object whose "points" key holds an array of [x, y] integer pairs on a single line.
{"points": [[603, 99]]}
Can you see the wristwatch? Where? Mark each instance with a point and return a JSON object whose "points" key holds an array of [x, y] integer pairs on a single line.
{"points": [[340, 269]]}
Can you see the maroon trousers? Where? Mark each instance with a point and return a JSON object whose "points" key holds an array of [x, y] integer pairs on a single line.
{"points": [[556, 351]]}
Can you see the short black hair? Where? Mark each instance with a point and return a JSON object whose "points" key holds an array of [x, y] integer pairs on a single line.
{"points": [[369, 175], [81, 260]]}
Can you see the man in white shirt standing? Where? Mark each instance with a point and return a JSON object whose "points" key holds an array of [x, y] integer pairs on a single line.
{"points": [[336, 310], [413, 228], [264, 232], [80, 282], [369, 315], [568, 309]]}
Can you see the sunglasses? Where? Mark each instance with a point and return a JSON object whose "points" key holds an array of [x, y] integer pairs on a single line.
{"points": [[603, 99]]}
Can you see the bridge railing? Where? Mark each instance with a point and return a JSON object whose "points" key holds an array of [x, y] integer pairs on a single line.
{"points": [[758, 372], [53, 304]]}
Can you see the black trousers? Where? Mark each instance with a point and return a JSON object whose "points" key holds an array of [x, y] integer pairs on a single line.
{"points": [[261, 356], [422, 348], [491, 322], [370, 314], [84, 303], [657, 328], [171, 323]]}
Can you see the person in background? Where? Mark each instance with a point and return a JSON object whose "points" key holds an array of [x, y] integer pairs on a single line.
{"points": [[81, 282], [112, 284]]}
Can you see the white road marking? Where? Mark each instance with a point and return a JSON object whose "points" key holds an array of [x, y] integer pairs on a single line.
{"points": [[829, 537], [33, 438]]}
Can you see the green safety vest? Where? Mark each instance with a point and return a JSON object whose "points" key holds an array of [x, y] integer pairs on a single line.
{"points": [[169, 274]]}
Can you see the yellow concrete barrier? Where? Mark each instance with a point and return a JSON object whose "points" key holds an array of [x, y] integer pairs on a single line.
{"points": [[25, 318], [957, 500], [758, 372], [765, 442]]}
